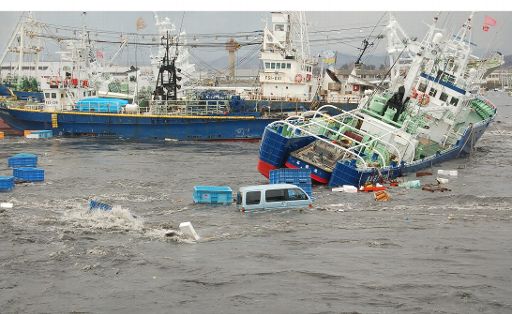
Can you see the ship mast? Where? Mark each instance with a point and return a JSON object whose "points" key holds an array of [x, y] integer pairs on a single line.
{"points": [[166, 83]]}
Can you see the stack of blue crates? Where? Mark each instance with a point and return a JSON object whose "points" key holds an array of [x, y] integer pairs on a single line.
{"points": [[22, 160], [213, 195], [28, 174], [6, 183], [298, 177]]}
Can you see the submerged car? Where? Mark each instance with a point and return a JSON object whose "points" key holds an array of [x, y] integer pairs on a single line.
{"points": [[272, 197]]}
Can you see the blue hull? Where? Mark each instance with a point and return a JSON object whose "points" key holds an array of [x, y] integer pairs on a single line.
{"points": [[275, 149], [138, 126]]}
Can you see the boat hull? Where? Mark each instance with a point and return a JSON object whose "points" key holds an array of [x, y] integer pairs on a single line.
{"points": [[275, 150], [138, 126]]}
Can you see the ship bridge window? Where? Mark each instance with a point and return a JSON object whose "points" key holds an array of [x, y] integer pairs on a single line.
{"points": [[279, 27], [54, 95], [433, 92], [278, 65], [62, 95], [283, 65], [272, 65], [267, 65], [288, 66], [422, 87], [443, 97], [46, 95], [454, 101]]}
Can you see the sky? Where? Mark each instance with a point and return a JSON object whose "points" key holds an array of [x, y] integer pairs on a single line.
{"points": [[210, 22]]}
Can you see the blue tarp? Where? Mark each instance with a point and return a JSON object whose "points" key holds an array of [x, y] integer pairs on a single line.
{"points": [[97, 104]]}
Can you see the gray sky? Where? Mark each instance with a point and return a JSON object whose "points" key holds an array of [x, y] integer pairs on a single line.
{"points": [[217, 22]]}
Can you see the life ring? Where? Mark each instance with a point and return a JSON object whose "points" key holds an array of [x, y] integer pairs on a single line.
{"points": [[298, 78], [414, 93], [355, 88], [423, 99]]}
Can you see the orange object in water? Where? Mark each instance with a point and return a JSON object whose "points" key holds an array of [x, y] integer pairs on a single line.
{"points": [[372, 188], [2, 135], [26, 132], [381, 196]]}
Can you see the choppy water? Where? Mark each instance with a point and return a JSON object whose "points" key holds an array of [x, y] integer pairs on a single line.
{"points": [[421, 252]]}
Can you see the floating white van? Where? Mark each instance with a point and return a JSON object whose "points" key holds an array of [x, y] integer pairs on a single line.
{"points": [[271, 197]]}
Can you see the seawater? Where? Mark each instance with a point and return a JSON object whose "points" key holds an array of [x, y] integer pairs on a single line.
{"points": [[421, 252]]}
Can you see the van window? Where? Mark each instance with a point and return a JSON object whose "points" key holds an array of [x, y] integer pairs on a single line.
{"points": [[296, 195], [276, 195], [252, 198]]}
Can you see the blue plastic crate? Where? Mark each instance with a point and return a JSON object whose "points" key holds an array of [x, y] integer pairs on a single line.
{"points": [[6, 183], [298, 177], [212, 194], [96, 205], [28, 174], [22, 160]]}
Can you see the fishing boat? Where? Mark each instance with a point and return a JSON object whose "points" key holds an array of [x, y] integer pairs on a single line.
{"points": [[72, 108], [431, 114], [287, 80]]}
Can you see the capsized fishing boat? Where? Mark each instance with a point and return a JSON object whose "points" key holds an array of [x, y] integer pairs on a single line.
{"points": [[431, 115]]}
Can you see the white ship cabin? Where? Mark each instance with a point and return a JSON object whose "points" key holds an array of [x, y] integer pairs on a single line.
{"points": [[63, 94], [286, 74]]}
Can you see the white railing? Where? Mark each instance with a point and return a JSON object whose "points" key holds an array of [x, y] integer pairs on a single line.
{"points": [[302, 122], [303, 131]]}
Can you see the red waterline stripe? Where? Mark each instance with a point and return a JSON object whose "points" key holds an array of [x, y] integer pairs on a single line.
{"points": [[264, 168], [313, 176]]}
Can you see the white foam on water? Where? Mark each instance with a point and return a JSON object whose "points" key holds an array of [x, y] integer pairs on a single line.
{"points": [[117, 218], [167, 234]]}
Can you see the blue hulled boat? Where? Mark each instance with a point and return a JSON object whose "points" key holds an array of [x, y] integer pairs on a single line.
{"points": [[432, 115]]}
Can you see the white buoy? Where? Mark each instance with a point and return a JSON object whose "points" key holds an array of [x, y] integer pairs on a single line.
{"points": [[187, 229]]}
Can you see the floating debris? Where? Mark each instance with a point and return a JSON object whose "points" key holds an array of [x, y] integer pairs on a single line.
{"points": [[188, 230], [442, 180], [434, 188], [93, 205], [381, 196], [414, 184], [451, 173]]}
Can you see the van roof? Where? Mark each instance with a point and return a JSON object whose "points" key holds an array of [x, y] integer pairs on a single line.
{"points": [[267, 187]]}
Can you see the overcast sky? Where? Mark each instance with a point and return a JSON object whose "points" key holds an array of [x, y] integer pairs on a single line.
{"points": [[498, 38]]}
